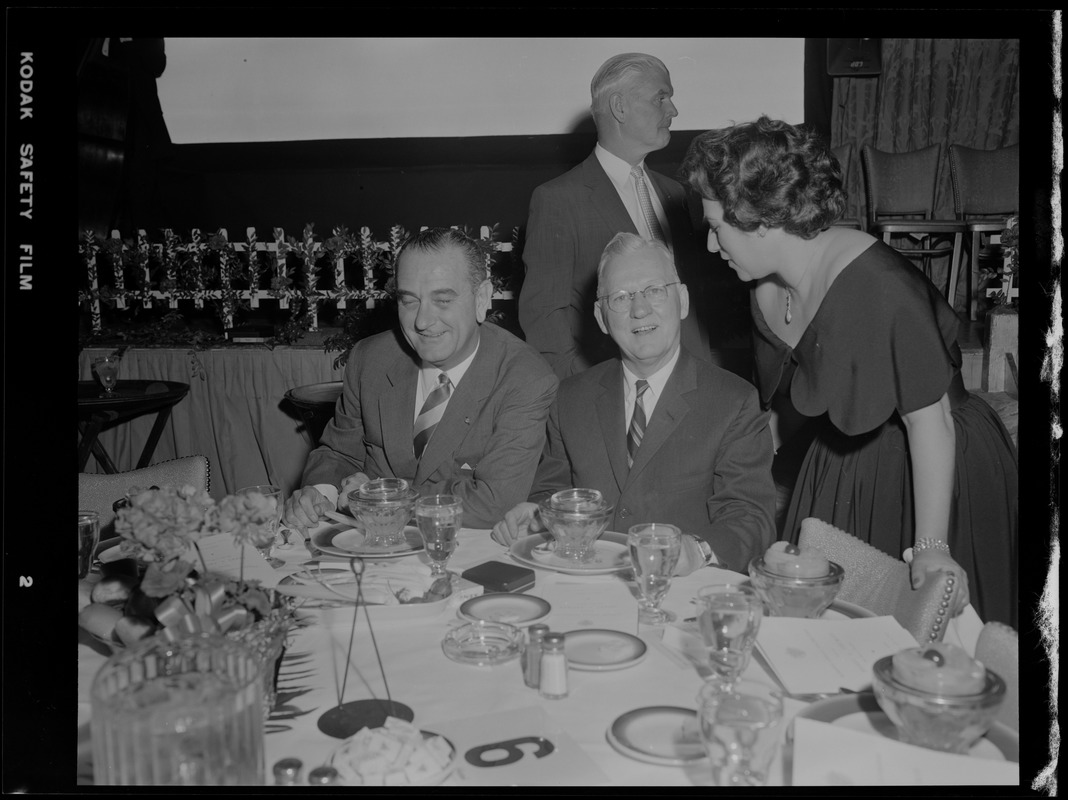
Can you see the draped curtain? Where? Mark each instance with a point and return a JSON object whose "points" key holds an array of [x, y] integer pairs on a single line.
{"points": [[948, 91]]}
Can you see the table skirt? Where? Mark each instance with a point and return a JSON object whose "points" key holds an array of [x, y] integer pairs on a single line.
{"points": [[234, 413]]}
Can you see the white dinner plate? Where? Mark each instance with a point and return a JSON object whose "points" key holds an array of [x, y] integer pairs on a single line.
{"points": [[343, 540], [610, 555], [515, 609], [840, 609], [600, 649], [861, 712], [665, 735]]}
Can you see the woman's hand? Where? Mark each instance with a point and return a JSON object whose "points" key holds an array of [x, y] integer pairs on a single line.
{"points": [[939, 561]]}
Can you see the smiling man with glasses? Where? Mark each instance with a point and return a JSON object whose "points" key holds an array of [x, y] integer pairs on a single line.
{"points": [[664, 436]]}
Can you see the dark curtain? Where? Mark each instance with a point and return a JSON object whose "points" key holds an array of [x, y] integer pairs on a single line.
{"points": [[953, 91]]}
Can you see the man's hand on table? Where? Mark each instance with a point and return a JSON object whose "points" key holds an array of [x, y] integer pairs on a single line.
{"points": [[690, 556], [517, 523], [304, 508]]}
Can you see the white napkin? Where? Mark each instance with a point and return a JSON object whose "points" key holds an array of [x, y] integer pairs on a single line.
{"points": [[381, 581], [831, 755]]}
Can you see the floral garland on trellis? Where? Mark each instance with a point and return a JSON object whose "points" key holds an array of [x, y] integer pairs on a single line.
{"points": [[1007, 272], [208, 268]]}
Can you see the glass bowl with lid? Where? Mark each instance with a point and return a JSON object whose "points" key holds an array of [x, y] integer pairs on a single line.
{"points": [[575, 518], [383, 507]]}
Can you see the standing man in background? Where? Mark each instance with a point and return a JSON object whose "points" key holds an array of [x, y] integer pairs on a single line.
{"points": [[574, 216]]}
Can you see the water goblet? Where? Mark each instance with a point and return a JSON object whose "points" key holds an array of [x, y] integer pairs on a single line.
{"points": [[439, 518], [107, 372], [740, 728], [88, 539], [274, 493], [654, 554], [729, 615]]}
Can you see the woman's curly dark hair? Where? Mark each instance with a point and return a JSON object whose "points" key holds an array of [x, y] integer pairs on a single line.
{"points": [[769, 173]]}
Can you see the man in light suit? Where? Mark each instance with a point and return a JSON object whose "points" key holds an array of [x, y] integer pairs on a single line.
{"points": [[702, 451], [448, 403], [572, 218]]}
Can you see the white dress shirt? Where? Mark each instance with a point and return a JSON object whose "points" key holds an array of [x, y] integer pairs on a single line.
{"points": [[428, 380], [618, 172], [656, 382]]}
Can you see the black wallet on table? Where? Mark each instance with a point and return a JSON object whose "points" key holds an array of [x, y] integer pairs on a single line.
{"points": [[496, 576]]}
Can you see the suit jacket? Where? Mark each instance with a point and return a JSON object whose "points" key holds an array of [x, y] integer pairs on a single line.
{"points": [[484, 449], [704, 463], [571, 220]]}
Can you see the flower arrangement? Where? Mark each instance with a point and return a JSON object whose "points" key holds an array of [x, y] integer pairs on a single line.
{"points": [[177, 595]]}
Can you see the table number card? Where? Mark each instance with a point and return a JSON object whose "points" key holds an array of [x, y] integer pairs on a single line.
{"points": [[517, 748]]}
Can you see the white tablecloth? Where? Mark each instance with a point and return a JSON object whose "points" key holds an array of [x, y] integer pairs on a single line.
{"points": [[443, 693]]}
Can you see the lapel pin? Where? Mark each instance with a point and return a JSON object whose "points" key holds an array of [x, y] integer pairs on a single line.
{"points": [[467, 420]]}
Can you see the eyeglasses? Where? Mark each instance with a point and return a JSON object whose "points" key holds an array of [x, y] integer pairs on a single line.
{"points": [[620, 301]]}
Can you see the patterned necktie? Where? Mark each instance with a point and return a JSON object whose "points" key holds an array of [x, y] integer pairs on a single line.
{"points": [[637, 422], [647, 205], [433, 408]]}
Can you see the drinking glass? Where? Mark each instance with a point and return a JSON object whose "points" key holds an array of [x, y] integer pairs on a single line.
{"points": [[740, 727], [439, 517], [181, 713], [729, 615], [107, 372], [88, 539], [654, 554], [271, 492]]}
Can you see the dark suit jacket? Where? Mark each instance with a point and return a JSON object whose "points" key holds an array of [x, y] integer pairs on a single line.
{"points": [[486, 446], [571, 220], [704, 463]]}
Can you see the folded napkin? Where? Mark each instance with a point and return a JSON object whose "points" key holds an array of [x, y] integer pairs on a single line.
{"points": [[825, 754], [383, 583]]}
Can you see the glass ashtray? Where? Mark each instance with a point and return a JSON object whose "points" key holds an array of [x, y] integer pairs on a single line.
{"points": [[483, 643]]}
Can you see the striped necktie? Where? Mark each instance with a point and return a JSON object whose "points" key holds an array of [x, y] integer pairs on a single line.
{"points": [[430, 414], [637, 422], [647, 204]]}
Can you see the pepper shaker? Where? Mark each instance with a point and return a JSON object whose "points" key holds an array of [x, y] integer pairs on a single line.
{"points": [[553, 666], [532, 655]]}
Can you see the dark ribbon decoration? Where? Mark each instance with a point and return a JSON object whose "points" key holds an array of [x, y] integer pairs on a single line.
{"points": [[207, 614]]}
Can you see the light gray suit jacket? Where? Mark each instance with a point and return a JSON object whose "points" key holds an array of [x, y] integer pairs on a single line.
{"points": [[571, 219], [485, 447], [704, 463]]}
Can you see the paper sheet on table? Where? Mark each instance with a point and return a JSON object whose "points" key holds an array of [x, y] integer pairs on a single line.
{"points": [[812, 656], [221, 554], [831, 755], [592, 602], [522, 747]]}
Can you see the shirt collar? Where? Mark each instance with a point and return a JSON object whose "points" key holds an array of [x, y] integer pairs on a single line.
{"points": [[657, 381], [617, 169], [428, 373]]}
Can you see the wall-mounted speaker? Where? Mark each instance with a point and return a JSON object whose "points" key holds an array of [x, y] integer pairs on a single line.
{"points": [[854, 57]]}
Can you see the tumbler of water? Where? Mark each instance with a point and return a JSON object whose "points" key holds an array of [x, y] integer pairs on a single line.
{"points": [[654, 554], [741, 728]]}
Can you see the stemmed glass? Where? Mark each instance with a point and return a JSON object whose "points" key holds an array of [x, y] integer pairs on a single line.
{"points": [[268, 491], [107, 372], [729, 615], [654, 554], [439, 517], [740, 730]]}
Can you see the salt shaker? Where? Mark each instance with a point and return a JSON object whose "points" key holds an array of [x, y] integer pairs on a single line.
{"points": [[287, 772], [553, 683], [324, 776], [532, 655]]}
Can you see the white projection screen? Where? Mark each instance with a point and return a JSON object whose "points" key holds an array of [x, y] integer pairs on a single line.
{"points": [[292, 89]]}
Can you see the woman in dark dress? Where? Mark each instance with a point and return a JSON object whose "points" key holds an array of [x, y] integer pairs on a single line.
{"points": [[849, 332]]}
